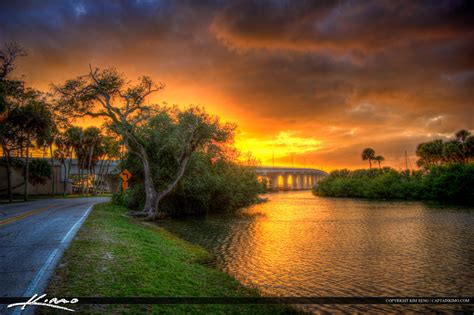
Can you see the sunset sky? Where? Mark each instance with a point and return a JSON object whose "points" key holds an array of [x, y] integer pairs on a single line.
{"points": [[312, 81]]}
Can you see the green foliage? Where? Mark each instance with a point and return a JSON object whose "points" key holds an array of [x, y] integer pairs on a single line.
{"points": [[172, 134], [133, 197], [453, 183], [460, 149], [450, 183], [28, 122], [209, 185], [218, 186], [110, 147], [40, 171], [448, 175]]}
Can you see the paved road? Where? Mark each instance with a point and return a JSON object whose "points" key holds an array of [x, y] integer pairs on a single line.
{"points": [[33, 237]]}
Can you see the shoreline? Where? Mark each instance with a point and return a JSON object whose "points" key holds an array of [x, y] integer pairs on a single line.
{"points": [[114, 255]]}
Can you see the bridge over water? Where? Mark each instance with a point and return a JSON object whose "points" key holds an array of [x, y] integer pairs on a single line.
{"points": [[290, 178]]}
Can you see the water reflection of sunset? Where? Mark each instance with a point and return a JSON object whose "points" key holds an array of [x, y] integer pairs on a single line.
{"points": [[299, 245]]}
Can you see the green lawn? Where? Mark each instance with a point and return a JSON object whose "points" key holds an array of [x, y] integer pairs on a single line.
{"points": [[114, 255]]}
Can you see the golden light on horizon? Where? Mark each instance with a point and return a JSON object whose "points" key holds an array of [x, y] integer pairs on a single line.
{"points": [[279, 149]]}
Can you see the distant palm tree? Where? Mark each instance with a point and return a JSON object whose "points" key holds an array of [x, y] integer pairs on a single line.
{"points": [[74, 138], [379, 159], [368, 154]]}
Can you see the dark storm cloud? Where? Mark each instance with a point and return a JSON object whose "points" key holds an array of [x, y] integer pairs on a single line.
{"points": [[340, 25], [93, 24], [336, 71]]}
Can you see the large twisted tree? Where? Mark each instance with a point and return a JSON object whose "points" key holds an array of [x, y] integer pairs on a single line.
{"points": [[141, 125]]}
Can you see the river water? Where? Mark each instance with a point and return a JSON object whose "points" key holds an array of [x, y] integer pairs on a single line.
{"points": [[297, 244]]}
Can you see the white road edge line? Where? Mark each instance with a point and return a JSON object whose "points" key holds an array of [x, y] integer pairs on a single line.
{"points": [[76, 226], [69, 235]]}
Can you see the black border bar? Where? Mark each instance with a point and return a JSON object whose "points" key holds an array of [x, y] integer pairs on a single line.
{"points": [[257, 300]]}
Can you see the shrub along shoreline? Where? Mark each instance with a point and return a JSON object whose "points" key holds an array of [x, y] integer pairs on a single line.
{"points": [[451, 183], [114, 255]]}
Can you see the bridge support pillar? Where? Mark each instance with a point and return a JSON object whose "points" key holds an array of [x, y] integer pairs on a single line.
{"points": [[285, 181], [299, 181], [273, 182], [294, 181]]}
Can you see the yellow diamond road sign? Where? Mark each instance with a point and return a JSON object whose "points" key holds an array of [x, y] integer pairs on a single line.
{"points": [[125, 175]]}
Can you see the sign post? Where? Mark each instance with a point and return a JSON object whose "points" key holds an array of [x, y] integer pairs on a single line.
{"points": [[125, 175]]}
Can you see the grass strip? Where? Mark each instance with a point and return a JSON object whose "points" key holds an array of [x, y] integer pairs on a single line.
{"points": [[115, 255]]}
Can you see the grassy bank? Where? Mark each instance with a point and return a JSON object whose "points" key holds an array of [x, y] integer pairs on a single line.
{"points": [[114, 255]]}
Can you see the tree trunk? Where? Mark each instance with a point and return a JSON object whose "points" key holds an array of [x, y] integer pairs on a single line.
{"points": [[82, 176], [6, 152], [370, 164], [98, 178], [107, 171], [154, 213], [151, 194], [101, 181], [67, 171], [53, 173], [63, 165], [27, 169], [89, 169]]}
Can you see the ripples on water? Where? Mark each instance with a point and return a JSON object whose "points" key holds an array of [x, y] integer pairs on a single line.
{"points": [[300, 245]]}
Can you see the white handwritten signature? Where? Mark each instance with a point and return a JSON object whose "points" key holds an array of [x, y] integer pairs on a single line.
{"points": [[41, 301]]}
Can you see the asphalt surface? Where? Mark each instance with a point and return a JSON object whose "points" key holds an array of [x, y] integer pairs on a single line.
{"points": [[33, 237]]}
